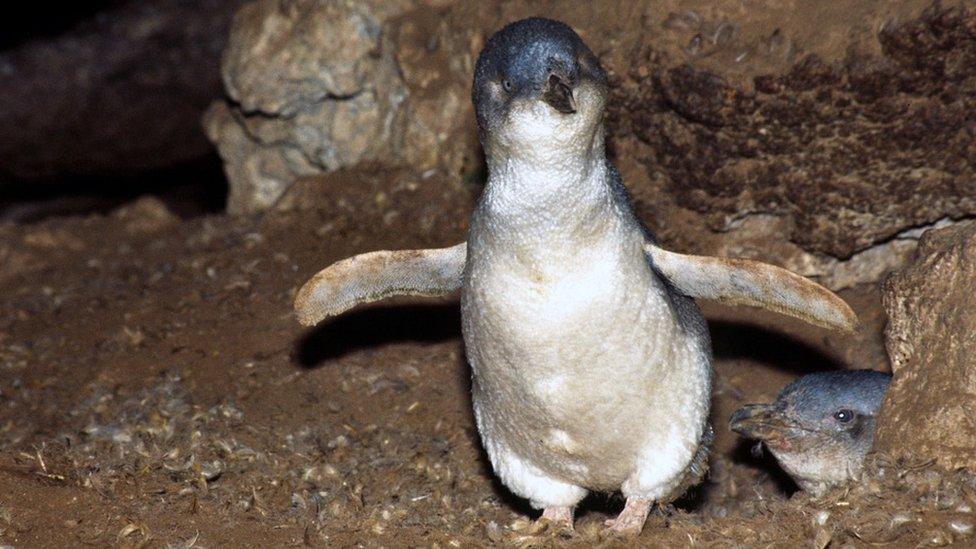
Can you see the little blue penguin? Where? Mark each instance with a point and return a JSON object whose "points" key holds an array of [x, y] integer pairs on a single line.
{"points": [[590, 361], [820, 427]]}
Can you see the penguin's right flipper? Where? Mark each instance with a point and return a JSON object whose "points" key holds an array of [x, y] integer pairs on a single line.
{"points": [[747, 282], [373, 276]]}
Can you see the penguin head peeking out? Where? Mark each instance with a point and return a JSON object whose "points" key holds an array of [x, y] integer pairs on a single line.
{"points": [[820, 427]]}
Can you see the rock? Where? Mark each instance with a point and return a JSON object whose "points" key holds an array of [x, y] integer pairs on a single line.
{"points": [[257, 173], [145, 215], [116, 94], [929, 411], [760, 237], [311, 89], [852, 153], [302, 102], [436, 57]]}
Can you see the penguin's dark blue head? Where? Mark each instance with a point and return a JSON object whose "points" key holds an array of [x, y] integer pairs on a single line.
{"points": [[835, 398], [539, 68], [825, 402], [821, 426]]}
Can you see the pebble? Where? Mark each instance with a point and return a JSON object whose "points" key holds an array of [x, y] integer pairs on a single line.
{"points": [[961, 527]]}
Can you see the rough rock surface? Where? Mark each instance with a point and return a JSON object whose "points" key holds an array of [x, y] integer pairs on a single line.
{"points": [[396, 91], [120, 93], [851, 154], [310, 94], [930, 410]]}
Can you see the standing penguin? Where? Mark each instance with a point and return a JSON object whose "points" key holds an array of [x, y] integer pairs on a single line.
{"points": [[591, 364]]}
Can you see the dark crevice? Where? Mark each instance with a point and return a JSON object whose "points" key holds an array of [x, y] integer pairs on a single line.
{"points": [[40, 20], [197, 187]]}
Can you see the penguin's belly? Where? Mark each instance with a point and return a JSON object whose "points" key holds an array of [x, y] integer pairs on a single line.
{"points": [[577, 369]]}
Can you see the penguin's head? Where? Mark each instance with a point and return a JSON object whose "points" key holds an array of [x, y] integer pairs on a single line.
{"points": [[821, 426], [537, 87]]}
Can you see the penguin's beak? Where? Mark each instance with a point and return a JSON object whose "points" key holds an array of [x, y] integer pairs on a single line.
{"points": [[558, 93], [760, 421]]}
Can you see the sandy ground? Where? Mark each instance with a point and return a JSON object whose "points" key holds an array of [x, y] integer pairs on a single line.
{"points": [[156, 390]]}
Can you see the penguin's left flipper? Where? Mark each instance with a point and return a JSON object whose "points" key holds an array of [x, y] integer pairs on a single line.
{"points": [[373, 276], [745, 282]]}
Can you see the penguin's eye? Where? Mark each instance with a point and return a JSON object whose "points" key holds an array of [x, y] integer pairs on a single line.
{"points": [[844, 416], [507, 84]]}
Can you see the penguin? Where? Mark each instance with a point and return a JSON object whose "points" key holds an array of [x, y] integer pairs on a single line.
{"points": [[820, 427], [590, 361]]}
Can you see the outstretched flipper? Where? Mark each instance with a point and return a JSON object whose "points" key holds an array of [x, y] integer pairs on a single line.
{"points": [[745, 282], [376, 275]]}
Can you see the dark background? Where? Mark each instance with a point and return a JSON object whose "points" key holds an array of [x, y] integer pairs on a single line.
{"points": [[100, 102]]}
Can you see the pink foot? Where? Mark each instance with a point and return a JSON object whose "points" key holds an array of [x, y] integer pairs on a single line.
{"points": [[631, 520], [558, 517]]}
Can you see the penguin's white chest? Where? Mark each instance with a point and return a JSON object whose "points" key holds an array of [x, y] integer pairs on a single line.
{"points": [[547, 303], [557, 316], [575, 360]]}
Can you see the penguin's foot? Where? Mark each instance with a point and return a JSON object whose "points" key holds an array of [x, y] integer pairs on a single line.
{"points": [[631, 520], [557, 518]]}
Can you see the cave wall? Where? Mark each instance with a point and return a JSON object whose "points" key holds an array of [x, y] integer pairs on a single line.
{"points": [[850, 137], [929, 413], [113, 89]]}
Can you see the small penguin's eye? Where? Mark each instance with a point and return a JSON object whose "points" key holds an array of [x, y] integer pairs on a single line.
{"points": [[844, 416], [507, 84]]}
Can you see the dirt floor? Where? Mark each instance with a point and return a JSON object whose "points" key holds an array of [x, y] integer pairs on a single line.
{"points": [[156, 390]]}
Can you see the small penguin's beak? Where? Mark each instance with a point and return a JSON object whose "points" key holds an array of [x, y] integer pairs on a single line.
{"points": [[559, 94], [760, 421]]}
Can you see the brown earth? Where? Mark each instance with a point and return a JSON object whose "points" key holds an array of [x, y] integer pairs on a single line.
{"points": [[157, 390]]}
